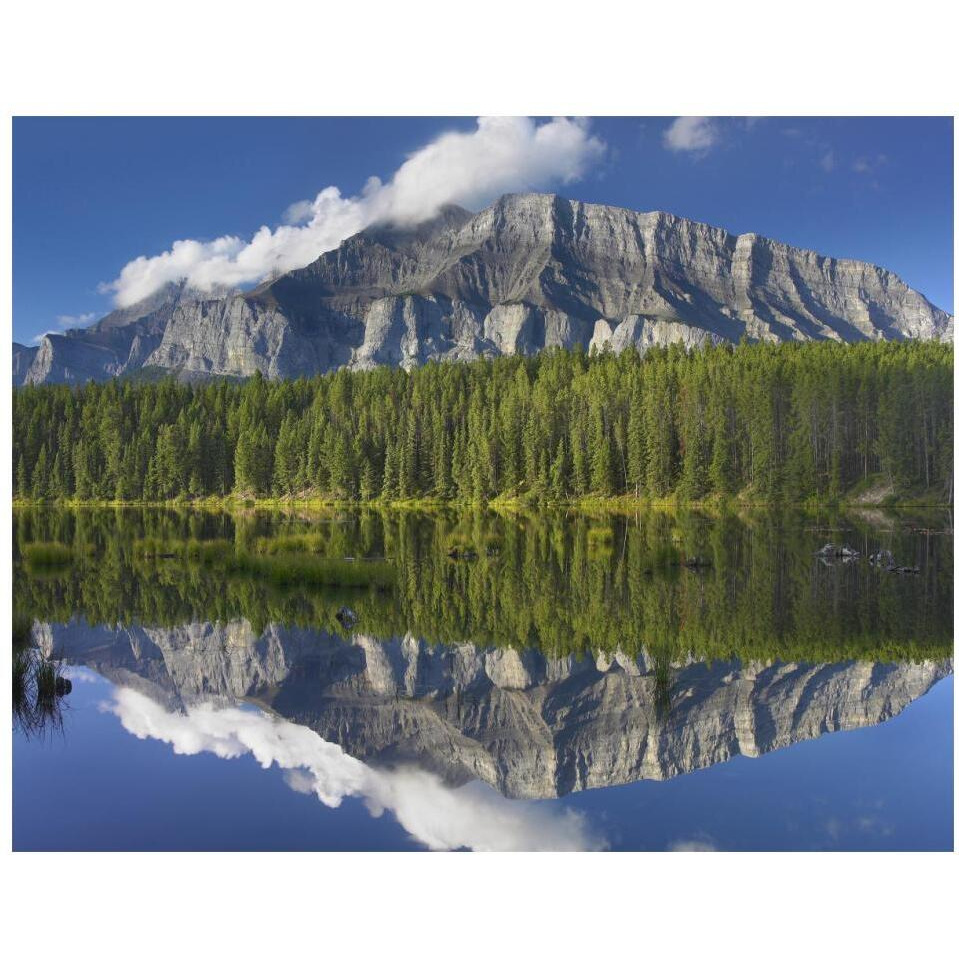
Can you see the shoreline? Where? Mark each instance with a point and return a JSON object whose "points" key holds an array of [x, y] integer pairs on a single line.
{"points": [[614, 505]]}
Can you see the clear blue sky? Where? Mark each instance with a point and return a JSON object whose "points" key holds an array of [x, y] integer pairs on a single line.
{"points": [[92, 194]]}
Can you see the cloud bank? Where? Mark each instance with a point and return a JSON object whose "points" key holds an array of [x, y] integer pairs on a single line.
{"points": [[691, 135], [503, 154], [440, 817]]}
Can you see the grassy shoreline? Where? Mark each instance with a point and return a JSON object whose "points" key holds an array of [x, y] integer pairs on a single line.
{"points": [[587, 504]]}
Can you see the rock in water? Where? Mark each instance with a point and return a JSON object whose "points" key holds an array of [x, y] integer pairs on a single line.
{"points": [[530, 272], [830, 552], [346, 617]]}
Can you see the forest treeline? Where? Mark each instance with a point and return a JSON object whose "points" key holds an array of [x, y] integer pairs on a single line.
{"points": [[770, 422]]}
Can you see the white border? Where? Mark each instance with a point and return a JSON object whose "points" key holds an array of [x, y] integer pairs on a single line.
{"points": [[740, 58]]}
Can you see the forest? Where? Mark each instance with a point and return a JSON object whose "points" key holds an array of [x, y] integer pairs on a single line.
{"points": [[542, 579], [762, 422]]}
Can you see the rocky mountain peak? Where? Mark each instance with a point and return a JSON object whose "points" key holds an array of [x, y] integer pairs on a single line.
{"points": [[531, 271]]}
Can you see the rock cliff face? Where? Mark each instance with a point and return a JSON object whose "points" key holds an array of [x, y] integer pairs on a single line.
{"points": [[529, 272], [528, 725], [23, 357], [119, 343]]}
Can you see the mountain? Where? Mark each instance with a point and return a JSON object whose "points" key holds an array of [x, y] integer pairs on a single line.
{"points": [[529, 272], [121, 342], [530, 725], [23, 357]]}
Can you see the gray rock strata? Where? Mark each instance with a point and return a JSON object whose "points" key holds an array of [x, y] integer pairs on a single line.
{"points": [[530, 272]]}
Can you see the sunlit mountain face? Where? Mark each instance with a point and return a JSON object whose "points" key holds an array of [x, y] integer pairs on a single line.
{"points": [[486, 682]]}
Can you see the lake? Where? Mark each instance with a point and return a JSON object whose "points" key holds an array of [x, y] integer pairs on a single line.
{"points": [[361, 679]]}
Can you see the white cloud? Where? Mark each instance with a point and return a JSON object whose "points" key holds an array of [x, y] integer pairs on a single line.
{"points": [[502, 154], [691, 134], [81, 674], [692, 845], [440, 817], [66, 320], [869, 164], [828, 161]]}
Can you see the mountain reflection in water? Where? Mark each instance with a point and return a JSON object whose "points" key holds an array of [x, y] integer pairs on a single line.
{"points": [[495, 663], [529, 725], [472, 816]]}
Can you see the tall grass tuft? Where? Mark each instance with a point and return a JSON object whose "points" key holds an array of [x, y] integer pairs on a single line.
{"points": [[599, 541], [47, 555], [209, 552], [304, 570], [291, 543], [38, 689]]}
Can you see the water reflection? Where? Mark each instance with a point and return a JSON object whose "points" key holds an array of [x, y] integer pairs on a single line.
{"points": [[563, 585], [489, 664], [39, 685], [440, 817], [529, 725]]}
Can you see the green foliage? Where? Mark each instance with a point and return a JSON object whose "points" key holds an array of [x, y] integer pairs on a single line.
{"points": [[47, 555], [767, 422], [292, 543], [307, 570], [282, 560], [562, 584], [599, 540]]}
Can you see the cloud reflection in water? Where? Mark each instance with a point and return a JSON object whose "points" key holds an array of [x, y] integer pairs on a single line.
{"points": [[473, 816]]}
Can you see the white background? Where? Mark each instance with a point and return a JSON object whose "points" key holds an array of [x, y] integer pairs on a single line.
{"points": [[419, 57]]}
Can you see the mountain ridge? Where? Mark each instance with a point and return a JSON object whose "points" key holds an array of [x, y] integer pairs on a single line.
{"points": [[528, 272], [530, 725]]}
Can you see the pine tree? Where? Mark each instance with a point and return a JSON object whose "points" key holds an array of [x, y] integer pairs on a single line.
{"points": [[285, 457]]}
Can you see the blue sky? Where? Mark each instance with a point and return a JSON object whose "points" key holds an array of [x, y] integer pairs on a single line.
{"points": [[90, 195]]}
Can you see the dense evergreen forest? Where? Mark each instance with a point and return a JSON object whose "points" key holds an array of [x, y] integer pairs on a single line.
{"points": [[768, 422]]}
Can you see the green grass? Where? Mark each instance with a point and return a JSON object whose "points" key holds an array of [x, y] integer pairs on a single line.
{"points": [[304, 570], [481, 541], [206, 551], [153, 548], [313, 543], [47, 555], [290, 560], [599, 536], [45, 675], [209, 552], [38, 688], [599, 542], [620, 504]]}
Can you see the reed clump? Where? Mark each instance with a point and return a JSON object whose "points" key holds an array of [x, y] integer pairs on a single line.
{"points": [[47, 555]]}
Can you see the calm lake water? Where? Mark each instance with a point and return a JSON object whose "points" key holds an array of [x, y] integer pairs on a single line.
{"points": [[363, 680]]}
